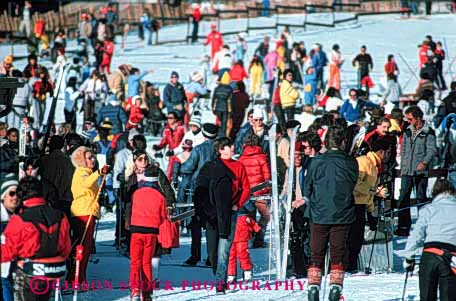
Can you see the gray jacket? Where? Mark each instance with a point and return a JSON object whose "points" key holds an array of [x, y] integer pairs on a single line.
{"points": [[119, 165], [417, 148], [435, 224], [198, 157]]}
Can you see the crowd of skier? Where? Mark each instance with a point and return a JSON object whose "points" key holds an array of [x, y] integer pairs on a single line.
{"points": [[338, 169]]}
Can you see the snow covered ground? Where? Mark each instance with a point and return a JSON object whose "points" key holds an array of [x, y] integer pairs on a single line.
{"points": [[383, 35], [113, 270]]}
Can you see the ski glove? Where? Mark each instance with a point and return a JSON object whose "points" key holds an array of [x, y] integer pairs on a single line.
{"points": [[158, 155], [409, 265], [105, 170], [170, 153], [156, 147]]}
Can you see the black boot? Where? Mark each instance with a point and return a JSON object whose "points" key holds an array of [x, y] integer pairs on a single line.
{"points": [[313, 293], [191, 261], [335, 291]]}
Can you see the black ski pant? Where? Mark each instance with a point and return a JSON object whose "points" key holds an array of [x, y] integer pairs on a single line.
{"points": [[41, 290], [195, 32], [435, 273], [407, 183], [280, 117], [223, 117], [356, 238], [195, 228], [300, 244], [440, 78], [289, 113]]}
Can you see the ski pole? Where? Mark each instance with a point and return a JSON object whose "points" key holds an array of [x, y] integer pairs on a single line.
{"points": [[326, 272], [408, 66], [448, 55], [270, 251], [405, 285], [80, 246], [368, 269]]}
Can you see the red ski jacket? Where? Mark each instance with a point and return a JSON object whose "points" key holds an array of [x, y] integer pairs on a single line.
{"points": [[107, 53], [172, 138], [390, 67], [135, 118], [216, 40], [238, 73], [196, 14], [423, 54], [244, 228], [23, 240], [241, 186], [148, 210], [256, 165]]}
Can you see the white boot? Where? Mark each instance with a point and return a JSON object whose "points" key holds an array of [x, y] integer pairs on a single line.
{"points": [[247, 275], [231, 279], [155, 268]]}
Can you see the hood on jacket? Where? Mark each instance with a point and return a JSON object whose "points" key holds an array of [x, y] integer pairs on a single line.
{"points": [[226, 79], [252, 150], [78, 156]]}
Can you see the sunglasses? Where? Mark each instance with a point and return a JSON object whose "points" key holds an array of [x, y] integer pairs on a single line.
{"points": [[143, 159], [174, 77], [256, 120], [171, 118], [91, 158], [12, 193], [352, 94]]}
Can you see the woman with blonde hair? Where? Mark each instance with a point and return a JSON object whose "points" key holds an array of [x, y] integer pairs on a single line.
{"points": [[84, 187]]}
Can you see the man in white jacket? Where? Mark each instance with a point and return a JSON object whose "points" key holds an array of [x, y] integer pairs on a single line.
{"points": [[223, 61]]}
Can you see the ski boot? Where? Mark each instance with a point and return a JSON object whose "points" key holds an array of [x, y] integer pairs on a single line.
{"points": [[193, 261], [231, 279], [135, 295], [247, 275], [313, 293], [208, 262], [335, 292], [147, 297]]}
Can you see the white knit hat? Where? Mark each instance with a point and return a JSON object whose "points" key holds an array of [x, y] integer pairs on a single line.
{"points": [[197, 76], [9, 181], [196, 120], [258, 113]]}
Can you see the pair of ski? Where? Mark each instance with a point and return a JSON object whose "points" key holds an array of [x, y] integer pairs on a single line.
{"points": [[281, 258], [191, 212]]}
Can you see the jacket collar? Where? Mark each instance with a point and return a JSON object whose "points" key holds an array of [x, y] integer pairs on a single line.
{"points": [[33, 202], [444, 197], [425, 129]]}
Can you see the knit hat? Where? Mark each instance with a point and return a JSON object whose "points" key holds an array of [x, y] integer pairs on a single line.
{"points": [[257, 114], [174, 73], [106, 123], [8, 182], [132, 133], [197, 76], [209, 130], [196, 120], [8, 59], [138, 153]]}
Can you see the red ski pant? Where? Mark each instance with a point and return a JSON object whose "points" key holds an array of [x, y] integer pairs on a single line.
{"points": [[78, 225], [239, 250], [142, 248], [172, 159]]}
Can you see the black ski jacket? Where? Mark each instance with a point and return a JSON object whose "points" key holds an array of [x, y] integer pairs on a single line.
{"points": [[328, 188]]}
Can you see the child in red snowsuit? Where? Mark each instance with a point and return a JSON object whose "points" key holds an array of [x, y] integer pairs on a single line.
{"points": [[240, 249], [108, 51], [148, 211], [136, 116]]}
